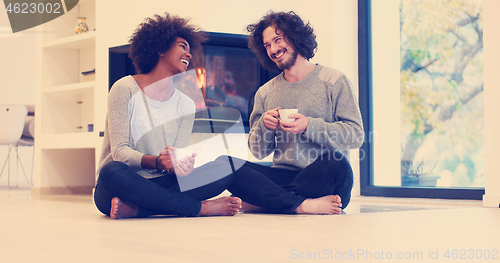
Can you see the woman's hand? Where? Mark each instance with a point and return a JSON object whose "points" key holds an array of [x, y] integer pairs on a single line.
{"points": [[185, 166], [166, 159]]}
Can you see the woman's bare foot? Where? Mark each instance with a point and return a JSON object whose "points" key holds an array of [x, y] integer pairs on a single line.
{"points": [[326, 205], [249, 208], [224, 206], [120, 209]]}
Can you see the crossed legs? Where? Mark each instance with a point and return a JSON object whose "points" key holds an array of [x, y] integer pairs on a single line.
{"points": [[122, 193], [323, 187]]}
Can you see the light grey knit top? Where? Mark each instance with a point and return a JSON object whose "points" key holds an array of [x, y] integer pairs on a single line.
{"points": [[129, 133], [325, 96]]}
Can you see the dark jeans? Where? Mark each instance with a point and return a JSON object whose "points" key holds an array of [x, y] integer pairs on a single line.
{"points": [[157, 196], [282, 191]]}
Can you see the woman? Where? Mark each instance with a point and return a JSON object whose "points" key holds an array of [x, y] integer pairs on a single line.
{"points": [[147, 119]]}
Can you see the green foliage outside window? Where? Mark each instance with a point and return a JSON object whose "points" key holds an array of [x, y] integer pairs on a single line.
{"points": [[442, 87]]}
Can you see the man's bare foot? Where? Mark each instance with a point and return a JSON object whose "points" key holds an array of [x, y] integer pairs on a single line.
{"points": [[120, 209], [246, 207], [326, 205], [249, 208], [224, 206]]}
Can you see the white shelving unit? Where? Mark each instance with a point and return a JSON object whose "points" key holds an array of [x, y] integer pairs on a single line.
{"points": [[81, 41], [65, 139]]}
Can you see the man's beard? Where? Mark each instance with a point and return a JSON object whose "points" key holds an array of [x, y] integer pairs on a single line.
{"points": [[289, 63]]}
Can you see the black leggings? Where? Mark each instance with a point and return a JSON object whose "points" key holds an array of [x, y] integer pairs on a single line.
{"points": [[161, 195], [282, 191]]}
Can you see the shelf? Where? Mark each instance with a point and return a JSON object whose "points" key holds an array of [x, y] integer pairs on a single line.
{"points": [[70, 87], [68, 109], [73, 42], [79, 140], [66, 139]]}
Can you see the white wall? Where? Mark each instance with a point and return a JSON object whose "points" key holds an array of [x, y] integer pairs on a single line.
{"points": [[386, 76], [491, 39], [216, 16], [17, 82]]}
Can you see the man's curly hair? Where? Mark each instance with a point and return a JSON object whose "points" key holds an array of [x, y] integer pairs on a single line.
{"points": [[297, 34], [156, 35]]}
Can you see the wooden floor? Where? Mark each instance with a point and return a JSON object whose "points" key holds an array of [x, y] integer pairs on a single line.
{"points": [[70, 229]]}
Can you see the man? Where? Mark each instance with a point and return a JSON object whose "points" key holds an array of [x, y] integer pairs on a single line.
{"points": [[309, 175]]}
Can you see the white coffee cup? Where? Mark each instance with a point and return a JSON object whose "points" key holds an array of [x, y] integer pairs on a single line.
{"points": [[285, 112], [181, 153]]}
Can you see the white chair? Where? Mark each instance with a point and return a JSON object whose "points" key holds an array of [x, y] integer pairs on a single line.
{"points": [[28, 139], [12, 121]]}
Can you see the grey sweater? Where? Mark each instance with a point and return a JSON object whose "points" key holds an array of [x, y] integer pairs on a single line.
{"points": [[326, 98], [129, 133]]}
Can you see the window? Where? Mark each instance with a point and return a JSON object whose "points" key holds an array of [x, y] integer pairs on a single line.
{"points": [[421, 98]]}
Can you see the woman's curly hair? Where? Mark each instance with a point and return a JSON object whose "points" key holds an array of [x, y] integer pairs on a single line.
{"points": [[297, 34], [156, 35]]}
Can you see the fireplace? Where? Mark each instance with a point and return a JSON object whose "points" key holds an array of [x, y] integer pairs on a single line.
{"points": [[228, 75]]}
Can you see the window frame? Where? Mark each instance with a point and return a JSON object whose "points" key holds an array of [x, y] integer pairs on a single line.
{"points": [[366, 106]]}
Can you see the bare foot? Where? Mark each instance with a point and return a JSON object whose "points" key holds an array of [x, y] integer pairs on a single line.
{"points": [[249, 208], [326, 205], [120, 209], [224, 206], [246, 207]]}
